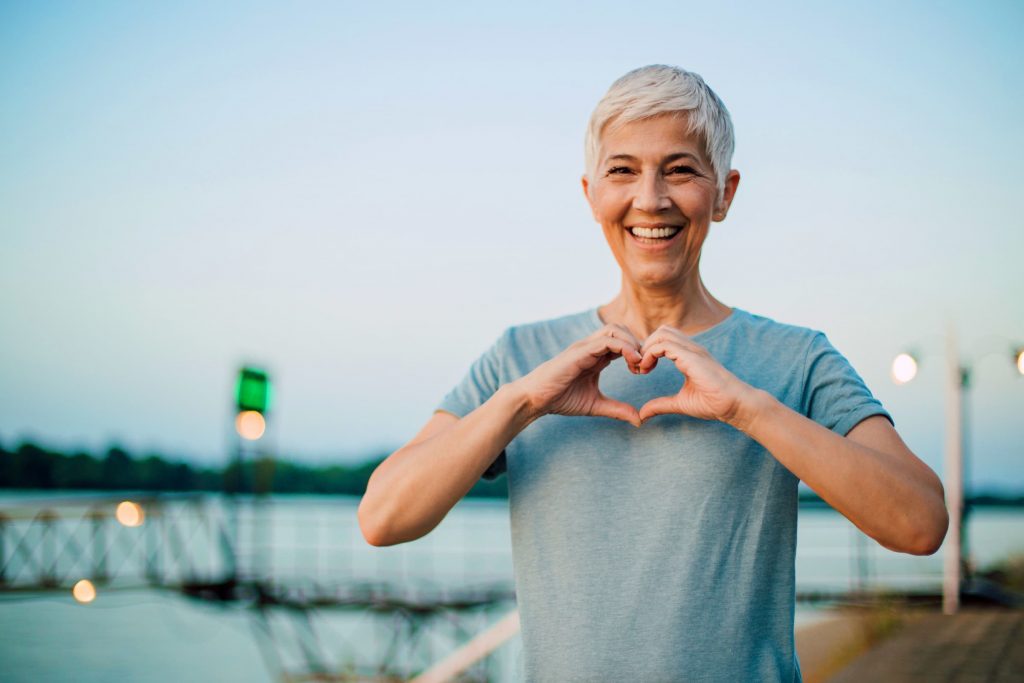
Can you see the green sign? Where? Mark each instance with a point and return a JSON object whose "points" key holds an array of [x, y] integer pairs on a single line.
{"points": [[253, 390]]}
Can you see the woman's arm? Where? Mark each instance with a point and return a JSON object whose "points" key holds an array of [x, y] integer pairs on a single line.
{"points": [[415, 487], [870, 475]]}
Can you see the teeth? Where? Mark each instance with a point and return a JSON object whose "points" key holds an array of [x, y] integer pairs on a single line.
{"points": [[654, 232]]}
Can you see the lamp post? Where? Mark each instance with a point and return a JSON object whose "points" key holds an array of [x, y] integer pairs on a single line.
{"points": [[958, 378], [252, 406]]}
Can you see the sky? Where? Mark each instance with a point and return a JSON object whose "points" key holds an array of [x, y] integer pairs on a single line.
{"points": [[360, 197]]}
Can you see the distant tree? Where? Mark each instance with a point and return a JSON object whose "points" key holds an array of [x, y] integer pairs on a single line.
{"points": [[180, 477], [7, 478], [117, 469], [34, 466], [151, 473], [78, 471]]}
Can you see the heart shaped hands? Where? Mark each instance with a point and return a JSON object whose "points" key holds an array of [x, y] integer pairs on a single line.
{"points": [[710, 392], [568, 383]]}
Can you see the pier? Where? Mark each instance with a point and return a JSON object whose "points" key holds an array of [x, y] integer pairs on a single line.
{"points": [[972, 646], [298, 569], [229, 551]]}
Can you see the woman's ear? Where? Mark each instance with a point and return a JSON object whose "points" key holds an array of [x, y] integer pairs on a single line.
{"points": [[732, 181], [586, 193]]}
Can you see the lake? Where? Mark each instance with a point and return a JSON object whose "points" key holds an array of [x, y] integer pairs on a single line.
{"points": [[132, 632]]}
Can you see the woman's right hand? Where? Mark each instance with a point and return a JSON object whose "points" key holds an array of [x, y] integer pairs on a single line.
{"points": [[568, 383]]}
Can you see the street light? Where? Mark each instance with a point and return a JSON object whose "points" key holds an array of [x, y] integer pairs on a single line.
{"points": [[904, 369], [905, 365], [252, 407], [252, 401], [130, 514], [250, 424], [84, 591]]}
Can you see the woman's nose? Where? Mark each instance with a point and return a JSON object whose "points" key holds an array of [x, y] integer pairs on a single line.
{"points": [[651, 196]]}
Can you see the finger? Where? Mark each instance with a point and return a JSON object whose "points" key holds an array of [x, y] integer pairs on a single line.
{"points": [[603, 363], [601, 346], [632, 355], [671, 334], [663, 405], [652, 353], [623, 333], [662, 333], [678, 354], [607, 407], [589, 350], [616, 330]]}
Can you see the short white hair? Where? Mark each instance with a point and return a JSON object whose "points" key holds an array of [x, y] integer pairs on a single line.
{"points": [[660, 89]]}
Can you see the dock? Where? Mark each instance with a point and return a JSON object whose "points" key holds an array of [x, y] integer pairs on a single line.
{"points": [[975, 645]]}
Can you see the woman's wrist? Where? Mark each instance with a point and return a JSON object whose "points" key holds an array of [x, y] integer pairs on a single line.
{"points": [[751, 407], [518, 404]]}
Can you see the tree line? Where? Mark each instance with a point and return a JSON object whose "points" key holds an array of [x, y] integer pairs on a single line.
{"points": [[31, 466]]}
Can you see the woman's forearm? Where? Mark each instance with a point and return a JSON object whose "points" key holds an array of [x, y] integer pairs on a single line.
{"points": [[898, 501], [415, 487]]}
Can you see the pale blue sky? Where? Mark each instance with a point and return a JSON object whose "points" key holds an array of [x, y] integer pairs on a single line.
{"points": [[362, 196]]}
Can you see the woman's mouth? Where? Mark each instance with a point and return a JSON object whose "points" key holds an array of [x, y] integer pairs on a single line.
{"points": [[660, 235]]}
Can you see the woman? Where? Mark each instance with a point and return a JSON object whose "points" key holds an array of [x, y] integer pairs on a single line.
{"points": [[659, 545]]}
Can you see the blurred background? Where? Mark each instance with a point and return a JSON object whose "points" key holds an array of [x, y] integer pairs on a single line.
{"points": [[355, 200]]}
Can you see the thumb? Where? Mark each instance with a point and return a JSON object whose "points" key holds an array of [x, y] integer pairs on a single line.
{"points": [[663, 405], [606, 407]]}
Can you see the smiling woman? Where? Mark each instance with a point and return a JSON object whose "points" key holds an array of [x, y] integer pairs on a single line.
{"points": [[655, 192], [659, 544]]}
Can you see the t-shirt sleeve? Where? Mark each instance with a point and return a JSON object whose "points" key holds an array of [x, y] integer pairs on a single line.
{"points": [[834, 395], [478, 385]]}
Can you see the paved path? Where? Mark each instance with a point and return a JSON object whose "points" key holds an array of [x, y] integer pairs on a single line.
{"points": [[973, 646]]}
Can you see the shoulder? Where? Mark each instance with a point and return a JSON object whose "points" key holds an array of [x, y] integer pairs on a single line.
{"points": [[794, 361], [769, 334], [556, 332], [523, 346]]}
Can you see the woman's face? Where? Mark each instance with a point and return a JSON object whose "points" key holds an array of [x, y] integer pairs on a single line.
{"points": [[654, 193]]}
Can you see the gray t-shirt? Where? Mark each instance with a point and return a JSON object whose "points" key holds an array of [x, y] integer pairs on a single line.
{"points": [[664, 553]]}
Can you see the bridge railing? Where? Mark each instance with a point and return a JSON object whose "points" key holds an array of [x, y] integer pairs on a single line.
{"points": [[155, 541]]}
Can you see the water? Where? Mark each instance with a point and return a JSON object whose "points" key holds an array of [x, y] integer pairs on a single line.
{"points": [[135, 633]]}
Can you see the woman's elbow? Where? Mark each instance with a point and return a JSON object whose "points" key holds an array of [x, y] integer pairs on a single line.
{"points": [[918, 530], [374, 532], [930, 531], [372, 515]]}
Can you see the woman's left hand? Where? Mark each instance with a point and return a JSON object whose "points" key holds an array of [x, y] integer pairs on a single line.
{"points": [[710, 392]]}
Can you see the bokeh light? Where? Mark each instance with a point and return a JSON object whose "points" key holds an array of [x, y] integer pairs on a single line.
{"points": [[250, 425], [130, 514], [1020, 360], [904, 368], [84, 592]]}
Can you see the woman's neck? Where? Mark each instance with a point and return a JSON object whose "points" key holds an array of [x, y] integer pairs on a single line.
{"points": [[643, 310]]}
